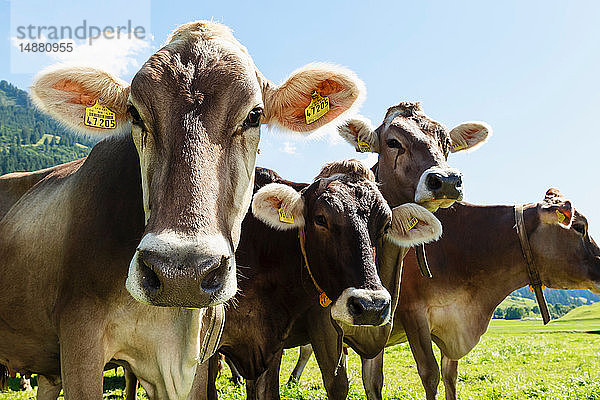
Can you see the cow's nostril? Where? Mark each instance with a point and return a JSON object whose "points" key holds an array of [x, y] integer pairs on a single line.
{"points": [[213, 281], [150, 280], [434, 182], [355, 306]]}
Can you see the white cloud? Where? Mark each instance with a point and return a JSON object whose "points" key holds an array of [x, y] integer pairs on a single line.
{"points": [[369, 159], [117, 56], [288, 148]]}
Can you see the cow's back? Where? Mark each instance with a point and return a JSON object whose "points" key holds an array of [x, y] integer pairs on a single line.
{"points": [[55, 242]]}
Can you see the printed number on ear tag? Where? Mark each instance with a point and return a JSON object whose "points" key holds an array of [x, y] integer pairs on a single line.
{"points": [[285, 216], [412, 223], [561, 217], [457, 147], [324, 300], [99, 116], [363, 147], [318, 107]]}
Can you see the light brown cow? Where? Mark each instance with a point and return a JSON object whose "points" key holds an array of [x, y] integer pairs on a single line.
{"points": [[476, 264], [163, 197]]}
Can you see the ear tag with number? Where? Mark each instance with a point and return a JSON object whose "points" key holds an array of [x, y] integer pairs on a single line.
{"points": [[318, 107], [412, 223], [561, 217], [285, 216], [324, 300], [363, 147], [456, 147], [100, 116]]}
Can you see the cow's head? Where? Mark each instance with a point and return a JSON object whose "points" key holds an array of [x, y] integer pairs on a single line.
{"points": [[413, 150], [194, 110], [564, 252], [343, 216]]}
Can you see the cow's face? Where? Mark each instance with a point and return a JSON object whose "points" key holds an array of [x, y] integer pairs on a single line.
{"points": [[564, 252], [194, 111], [412, 154], [343, 216]]}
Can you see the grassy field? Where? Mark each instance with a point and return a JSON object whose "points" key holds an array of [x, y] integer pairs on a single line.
{"points": [[515, 360]]}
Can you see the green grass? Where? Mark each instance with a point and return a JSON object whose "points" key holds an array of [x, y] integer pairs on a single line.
{"points": [[514, 360]]}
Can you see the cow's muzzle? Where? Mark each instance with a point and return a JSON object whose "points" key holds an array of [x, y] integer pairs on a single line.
{"points": [[182, 273], [439, 187], [362, 307]]}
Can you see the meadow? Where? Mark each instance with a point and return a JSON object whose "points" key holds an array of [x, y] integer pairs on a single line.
{"points": [[514, 360]]}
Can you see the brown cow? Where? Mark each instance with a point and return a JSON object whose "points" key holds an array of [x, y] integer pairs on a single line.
{"points": [[412, 167], [476, 264], [342, 216], [164, 197]]}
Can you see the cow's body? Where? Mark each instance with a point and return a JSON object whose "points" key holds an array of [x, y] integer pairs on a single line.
{"points": [[104, 219], [476, 264]]}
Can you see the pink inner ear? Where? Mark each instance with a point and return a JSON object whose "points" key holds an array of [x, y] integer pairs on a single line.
{"points": [[78, 92], [275, 201]]}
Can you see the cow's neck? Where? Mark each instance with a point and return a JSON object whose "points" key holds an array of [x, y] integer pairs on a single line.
{"points": [[485, 252]]}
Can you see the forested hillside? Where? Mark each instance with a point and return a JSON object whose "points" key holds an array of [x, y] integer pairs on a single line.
{"points": [[30, 140]]}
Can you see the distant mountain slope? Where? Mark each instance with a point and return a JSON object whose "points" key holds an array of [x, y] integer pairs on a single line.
{"points": [[590, 312], [30, 140], [555, 296]]}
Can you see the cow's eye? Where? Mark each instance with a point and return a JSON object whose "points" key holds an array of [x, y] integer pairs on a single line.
{"points": [[321, 221], [253, 119], [136, 119], [395, 144]]}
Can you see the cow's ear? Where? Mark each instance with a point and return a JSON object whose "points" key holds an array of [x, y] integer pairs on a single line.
{"points": [[413, 225], [311, 97], [469, 135], [279, 206], [65, 92], [555, 209], [359, 132]]}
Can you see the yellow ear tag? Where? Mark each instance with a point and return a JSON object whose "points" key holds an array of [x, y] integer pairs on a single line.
{"points": [[285, 217], [324, 300], [412, 223], [363, 147], [456, 147], [318, 107], [561, 217], [100, 116]]}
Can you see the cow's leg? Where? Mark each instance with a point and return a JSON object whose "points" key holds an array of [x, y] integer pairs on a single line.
{"points": [[305, 353], [266, 387], [419, 338], [326, 353], [236, 378], [82, 352], [48, 389], [131, 384], [450, 376], [372, 376], [25, 383]]}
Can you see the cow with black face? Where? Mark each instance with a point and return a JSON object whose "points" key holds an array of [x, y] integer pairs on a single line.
{"points": [[312, 245]]}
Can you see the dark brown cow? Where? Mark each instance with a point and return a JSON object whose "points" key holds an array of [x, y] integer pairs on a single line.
{"points": [[412, 167], [343, 216], [476, 264], [164, 198]]}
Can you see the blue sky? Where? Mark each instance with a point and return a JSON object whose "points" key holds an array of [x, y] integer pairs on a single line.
{"points": [[530, 69]]}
